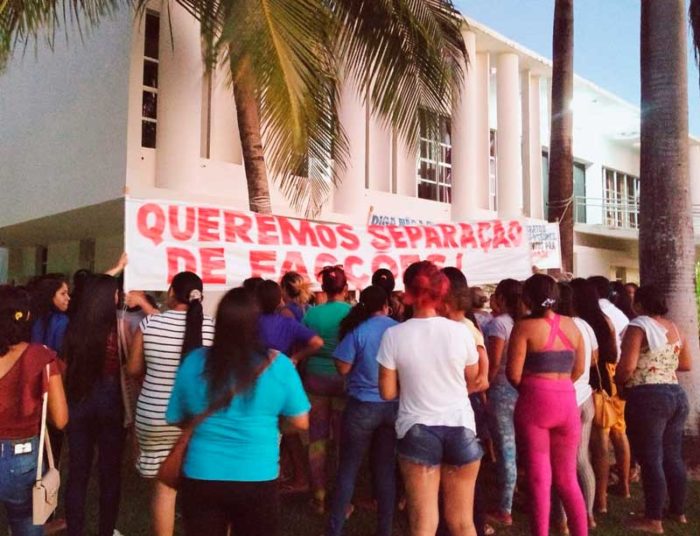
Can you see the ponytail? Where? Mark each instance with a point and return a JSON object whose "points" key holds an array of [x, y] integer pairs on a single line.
{"points": [[187, 288], [372, 300]]}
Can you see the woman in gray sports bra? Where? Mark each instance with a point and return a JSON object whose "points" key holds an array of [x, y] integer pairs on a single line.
{"points": [[545, 355]]}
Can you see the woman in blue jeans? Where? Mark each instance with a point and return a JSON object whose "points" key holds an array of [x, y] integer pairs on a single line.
{"points": [[368, 420], [23, 381], [502, 395], [653, 350], [95, 402]]}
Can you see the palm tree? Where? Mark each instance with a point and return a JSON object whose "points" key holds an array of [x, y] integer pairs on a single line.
{"points": [[287, 61], [561, 157], [666, 243]]}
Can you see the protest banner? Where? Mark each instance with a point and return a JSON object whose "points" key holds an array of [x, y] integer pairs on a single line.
{"points": [[226, 246], [545, 244]]}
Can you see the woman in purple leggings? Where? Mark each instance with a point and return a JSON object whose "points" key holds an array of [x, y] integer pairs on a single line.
{"points": [[545, 355]]}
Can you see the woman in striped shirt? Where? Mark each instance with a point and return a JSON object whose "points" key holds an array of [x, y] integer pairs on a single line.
{"points": [[159, 347]]}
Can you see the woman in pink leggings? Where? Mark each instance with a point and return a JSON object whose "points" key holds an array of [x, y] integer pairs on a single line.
{"points": [[545, 356]]}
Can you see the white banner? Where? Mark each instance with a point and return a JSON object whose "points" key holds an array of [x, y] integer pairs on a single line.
{"points": [[545, 244], [226, 246], [543, 236]]}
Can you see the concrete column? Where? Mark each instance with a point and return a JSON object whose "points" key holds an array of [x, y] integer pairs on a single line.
{"points": [[532, 147], [404, 166], [510, 183], [482, 67], [464, 139], [379, 155], [349, 196], [179, 101], [225, 139], [694, 179]]}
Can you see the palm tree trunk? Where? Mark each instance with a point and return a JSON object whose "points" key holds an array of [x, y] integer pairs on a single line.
{"points": [[251, 142], [561, 158], [666, 243]]}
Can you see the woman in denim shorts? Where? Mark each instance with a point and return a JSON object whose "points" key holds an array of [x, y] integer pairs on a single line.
{"points": [[434, 359]]}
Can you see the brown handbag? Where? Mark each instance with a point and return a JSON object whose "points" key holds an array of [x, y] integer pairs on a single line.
{"points": [[170, 471]]}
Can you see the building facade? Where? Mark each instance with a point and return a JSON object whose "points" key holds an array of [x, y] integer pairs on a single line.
{"points": [[128, 110]]}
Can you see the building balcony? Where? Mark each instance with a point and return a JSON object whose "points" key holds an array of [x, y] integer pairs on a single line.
{"points": [[615, 217]]}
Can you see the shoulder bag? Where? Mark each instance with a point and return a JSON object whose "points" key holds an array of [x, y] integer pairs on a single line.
{"points": [[45, 491], [605, 413], [170, 471]]}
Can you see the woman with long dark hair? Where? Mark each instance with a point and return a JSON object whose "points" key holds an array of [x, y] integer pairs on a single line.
{"points": [[50, 301], [435, 360], [587, 306], [23, 382], [232, 462], [368, 420], [158, 348], [545, 357], [653, 351], [502, 395], [322, 381], [621, 299], [584, 401], [93, 386]]}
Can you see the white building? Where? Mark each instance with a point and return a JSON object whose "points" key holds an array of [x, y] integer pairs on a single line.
{"points": [[125, 112]]}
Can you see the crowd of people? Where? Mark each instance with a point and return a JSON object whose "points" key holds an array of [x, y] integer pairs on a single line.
{"points": [[291, 390]]}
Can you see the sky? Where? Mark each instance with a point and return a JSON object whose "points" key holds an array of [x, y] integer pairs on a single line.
{"points": [[606, 41]]}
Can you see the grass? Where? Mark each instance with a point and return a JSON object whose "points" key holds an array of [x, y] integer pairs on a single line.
{"points": [[298, 520]]}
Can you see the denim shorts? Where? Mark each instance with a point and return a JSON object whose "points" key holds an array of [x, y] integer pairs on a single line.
{"points": [[440, 445]]}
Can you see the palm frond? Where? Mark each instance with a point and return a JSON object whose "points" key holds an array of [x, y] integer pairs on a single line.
{"points": [[24, 21], [406, 53]]}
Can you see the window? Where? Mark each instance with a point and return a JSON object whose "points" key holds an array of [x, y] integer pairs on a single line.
{"points": [[149, 103], [579, 202], [435, 163], [493, 177], [621, 199]]}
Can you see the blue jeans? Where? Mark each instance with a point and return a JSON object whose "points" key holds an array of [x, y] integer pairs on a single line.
{"points": [[96, 422], [502, 399], [366, 424], [656, 416], [17, 475]]}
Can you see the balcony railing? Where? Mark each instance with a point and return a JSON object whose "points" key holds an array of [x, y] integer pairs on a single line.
{"points": [[622, 214]]}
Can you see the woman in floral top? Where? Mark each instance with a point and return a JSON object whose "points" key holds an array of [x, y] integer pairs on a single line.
{"points": [[657, 407]]}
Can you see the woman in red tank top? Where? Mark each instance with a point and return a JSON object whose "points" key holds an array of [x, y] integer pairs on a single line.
{"points": [[23, 382]]}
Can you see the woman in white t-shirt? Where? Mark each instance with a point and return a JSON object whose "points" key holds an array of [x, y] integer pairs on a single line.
{"points": [[434, 360], [584, 401]]}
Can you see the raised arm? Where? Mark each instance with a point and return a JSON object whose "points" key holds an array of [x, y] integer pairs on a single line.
{"points": [[119, 267]]}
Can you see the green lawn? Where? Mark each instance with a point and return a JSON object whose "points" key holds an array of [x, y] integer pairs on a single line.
{"points": [[298, 520]]}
